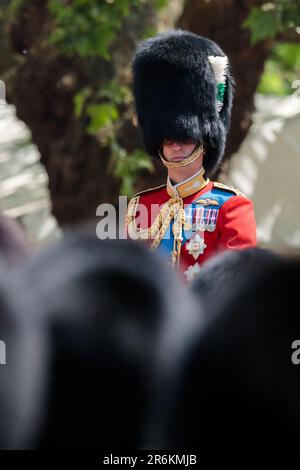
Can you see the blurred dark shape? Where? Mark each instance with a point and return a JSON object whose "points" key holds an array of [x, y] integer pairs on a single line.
{"points": [[224, 275], [237, 385], [24, 33], [102, 307], [106, 348], [14, 246], [21, 365]]}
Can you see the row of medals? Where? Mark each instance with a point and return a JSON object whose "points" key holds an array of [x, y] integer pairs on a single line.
{"points": [[200, 225]]}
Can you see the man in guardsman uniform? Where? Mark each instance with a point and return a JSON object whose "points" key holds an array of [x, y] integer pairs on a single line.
{"points": [[183, 91]]}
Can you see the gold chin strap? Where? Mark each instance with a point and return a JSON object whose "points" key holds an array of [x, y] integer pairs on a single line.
{"points": [[186, 161]]}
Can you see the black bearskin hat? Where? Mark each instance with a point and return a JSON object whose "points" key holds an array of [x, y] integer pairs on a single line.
{"points": [[183, 90]]}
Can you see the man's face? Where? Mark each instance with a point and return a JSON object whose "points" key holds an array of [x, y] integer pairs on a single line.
{"points": [[176, 151]]}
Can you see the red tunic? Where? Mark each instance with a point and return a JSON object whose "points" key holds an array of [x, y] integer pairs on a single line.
{"points": [[217, 217]]}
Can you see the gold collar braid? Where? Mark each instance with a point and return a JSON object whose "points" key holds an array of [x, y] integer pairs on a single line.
{"points": [[189, 186]]}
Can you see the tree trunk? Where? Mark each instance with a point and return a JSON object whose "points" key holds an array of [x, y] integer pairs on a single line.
{"points": [[42, 90]]}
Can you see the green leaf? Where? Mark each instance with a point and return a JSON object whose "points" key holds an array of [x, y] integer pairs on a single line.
{"points": [[87, 28], [263, 24], [159, 4], [272, 84], [101, 115], [80, 100], [290, 13], [115, 92], [288, 54], [127, 166], [281, 69]]}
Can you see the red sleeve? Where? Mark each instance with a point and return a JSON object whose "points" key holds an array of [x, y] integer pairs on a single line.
{"points": [[237, 227]]}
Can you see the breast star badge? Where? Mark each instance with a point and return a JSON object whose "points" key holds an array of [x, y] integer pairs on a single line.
{"points": [[192, 272], [196, 246]]}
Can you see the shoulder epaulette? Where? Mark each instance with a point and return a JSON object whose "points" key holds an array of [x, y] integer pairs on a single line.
{"points": [[232, 189], [149, 190]]}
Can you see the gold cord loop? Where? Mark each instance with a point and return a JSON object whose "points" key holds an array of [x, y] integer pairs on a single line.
{"points": [[172, 209]]}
